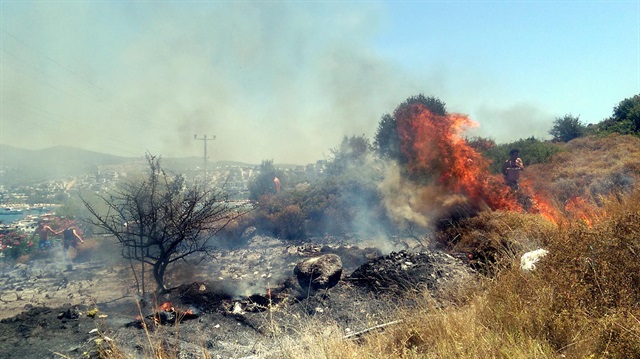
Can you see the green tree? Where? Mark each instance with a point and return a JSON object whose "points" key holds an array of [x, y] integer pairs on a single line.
{"points": [[567, 128], [625, 118], [433, 104], [481, 144], [161, 219], [263, 182], [387, 141], [353, 152]]}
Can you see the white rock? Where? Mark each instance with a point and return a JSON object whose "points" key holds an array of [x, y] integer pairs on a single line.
{"points": [[237, 309], [528, 260]]}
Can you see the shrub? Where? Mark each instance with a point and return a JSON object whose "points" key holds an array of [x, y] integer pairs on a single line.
{"points": [[14, 244], [334, 207], [490, 236], [567, 128], [625, 119], [532, 151], [289, 223]]}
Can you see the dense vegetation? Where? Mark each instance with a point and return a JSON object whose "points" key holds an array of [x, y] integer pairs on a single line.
{"points": [[579, 200], [582, 299], [350, 193]]}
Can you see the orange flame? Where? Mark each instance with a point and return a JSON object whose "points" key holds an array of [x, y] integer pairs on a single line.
{"points": [[580, 209], [435, 149], [168, 307], [165, 307]]}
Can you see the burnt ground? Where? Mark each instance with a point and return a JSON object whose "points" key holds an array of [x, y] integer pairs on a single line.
{"points": [[232, 306]]}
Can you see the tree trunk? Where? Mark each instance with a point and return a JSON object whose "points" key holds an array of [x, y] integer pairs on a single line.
{"points": [[158, 274]]}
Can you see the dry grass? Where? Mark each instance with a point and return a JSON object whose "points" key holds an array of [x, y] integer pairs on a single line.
{"points": [[589, 168], [582, 301], [495, 238]]}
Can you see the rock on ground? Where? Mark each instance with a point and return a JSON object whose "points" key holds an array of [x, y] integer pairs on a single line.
{"points": [[321, 272], [242, 298]]}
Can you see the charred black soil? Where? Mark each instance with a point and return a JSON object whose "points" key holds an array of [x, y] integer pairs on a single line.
{"points": [[232, 306]]}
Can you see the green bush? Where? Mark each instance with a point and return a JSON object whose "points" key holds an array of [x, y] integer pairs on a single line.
{"points": [[532, 151], [625, 119], [567, 128]]}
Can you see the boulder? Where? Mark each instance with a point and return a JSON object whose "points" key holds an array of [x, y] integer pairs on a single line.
{"points": [[321, 272]]}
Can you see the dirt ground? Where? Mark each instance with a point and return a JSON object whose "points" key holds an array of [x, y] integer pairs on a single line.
{"points": [[231, 305]]}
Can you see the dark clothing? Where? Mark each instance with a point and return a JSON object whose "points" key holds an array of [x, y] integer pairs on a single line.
{"points": [[70, 238]]}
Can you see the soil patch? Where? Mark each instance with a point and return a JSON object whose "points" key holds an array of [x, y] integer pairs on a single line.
{"points": [[238, 301]]}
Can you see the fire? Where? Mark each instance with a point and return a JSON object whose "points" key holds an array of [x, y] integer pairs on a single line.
{"points": [[168, 307], [165, 307], [436, 151], [537, 202], [580, 209], [166, 313]]}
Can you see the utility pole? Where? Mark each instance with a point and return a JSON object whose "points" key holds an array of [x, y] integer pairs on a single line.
{"points": [[204, 139]]}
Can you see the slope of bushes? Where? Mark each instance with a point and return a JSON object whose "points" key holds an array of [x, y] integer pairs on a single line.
{"points": [[580, 302]]}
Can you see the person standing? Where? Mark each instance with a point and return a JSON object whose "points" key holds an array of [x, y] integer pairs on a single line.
{"points": [[276, 184], [511, 169], [71, 238], [43, 232]]}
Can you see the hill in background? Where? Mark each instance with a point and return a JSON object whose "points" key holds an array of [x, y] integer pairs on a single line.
{"points": [[22, 166]]}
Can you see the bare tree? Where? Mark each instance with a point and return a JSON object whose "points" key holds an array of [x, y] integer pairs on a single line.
{"points": [[160, 219]]}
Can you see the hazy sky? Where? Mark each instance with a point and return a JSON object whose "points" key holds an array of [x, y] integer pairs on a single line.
{"points": [[286, 80]]}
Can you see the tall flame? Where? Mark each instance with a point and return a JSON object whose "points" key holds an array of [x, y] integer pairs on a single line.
{"points": [[435, 149], [438, 156]]}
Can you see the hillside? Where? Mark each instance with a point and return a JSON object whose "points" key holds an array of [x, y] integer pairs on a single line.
{"points": [[28, 166], [22, 166], [580, 301]]}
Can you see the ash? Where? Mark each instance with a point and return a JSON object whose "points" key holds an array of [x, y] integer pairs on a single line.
{"points": [[239, 303]]}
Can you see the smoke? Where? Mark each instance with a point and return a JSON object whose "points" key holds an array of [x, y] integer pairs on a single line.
{"points": [[407, 201], [127, 78], [512, 123]]}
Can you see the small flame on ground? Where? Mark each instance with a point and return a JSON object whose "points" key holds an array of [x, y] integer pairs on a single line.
{"points": [[166, 306], [580, 209]]}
